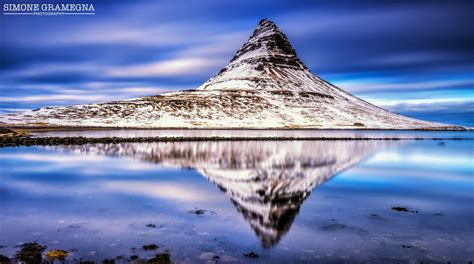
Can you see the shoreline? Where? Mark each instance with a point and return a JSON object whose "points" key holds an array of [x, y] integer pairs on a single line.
{"points": [[32, 129], [15, 141]]}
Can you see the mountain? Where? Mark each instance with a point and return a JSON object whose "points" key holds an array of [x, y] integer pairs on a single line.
{"points": [[267, 181], [264, 86]]}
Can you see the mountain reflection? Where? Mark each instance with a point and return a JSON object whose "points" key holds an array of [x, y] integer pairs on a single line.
{"points": [[267, 181]]}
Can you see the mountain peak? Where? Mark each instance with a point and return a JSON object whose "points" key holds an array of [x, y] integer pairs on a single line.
{"points": [[267, 61], [266, 26], [266, 40]]}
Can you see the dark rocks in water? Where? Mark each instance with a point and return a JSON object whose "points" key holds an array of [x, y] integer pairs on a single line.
{"points": [[251, 254], [14, 141], [4, 259], [133, 257], [163, 258], [151, 225], [30, 253], [406, 246], [333, 226], [74, 226], [403, 209], [376, 216], [86, 262], [200, 211], [108, 261], [150, 247]]}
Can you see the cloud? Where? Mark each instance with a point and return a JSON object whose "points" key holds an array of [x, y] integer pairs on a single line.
{"points": [[460, 113], [367, 86], [419, 101], [93, 95], [447, 107], [54, 97], [172, 67]]}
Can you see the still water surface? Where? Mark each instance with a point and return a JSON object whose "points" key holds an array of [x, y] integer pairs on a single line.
{"points": [[297, 133], [287, 201]]}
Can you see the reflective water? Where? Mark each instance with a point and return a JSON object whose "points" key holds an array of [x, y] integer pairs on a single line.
{"points": [[287, 201], [256, 133]]}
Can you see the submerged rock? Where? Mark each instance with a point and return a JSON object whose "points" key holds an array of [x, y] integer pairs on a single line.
{"points": [[251, 254], [403, 209], [86, 262], [4, 259], [376, 216], [150, 247], [163, 258], [333, 226], [108, 261], [30, 253], [200, 211]]}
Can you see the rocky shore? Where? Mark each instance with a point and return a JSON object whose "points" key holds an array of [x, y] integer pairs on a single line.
{"points": [[12, 140]]}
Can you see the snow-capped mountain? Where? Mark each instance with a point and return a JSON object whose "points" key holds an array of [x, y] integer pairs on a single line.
{"points": [[267, 181], [264, 86]]}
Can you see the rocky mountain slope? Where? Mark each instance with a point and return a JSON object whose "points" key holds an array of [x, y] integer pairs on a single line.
{"points": [[264, 86]]}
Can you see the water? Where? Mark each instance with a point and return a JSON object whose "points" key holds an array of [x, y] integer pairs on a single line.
{"points": [[287, 201], [256, 133]]}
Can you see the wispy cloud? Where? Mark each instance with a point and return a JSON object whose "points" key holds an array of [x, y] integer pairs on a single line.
{"points": [[172, 67], [419, 101], [461, 112], [54, 97], [364, 86], [99, 93]]}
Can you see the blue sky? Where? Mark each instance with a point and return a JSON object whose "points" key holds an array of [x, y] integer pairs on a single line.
{"points": [[412, 57]]}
